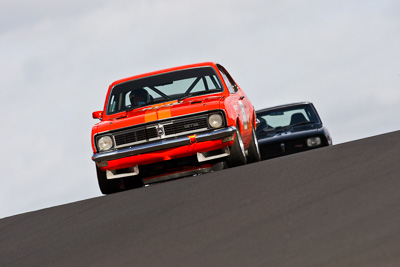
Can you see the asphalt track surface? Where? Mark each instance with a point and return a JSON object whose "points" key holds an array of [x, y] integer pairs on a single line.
{"points": [[335, 206]]}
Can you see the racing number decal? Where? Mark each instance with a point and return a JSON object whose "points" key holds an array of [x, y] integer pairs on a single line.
{"points": [[245, 121]]}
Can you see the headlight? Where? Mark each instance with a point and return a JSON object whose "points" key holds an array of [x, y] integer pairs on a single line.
{"points": [[313, 141], [215, 120], [104, 143]]}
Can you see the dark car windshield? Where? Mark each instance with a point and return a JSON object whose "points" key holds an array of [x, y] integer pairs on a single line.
{"points": [[281, 118], [163, 88]]}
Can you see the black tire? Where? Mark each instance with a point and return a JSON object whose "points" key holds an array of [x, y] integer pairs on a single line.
{"points": [[133, 182], [253, 154], [107, 186], [237, 155], [116, 185]]}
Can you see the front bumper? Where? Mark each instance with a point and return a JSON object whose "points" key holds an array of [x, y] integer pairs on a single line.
{"points": [[163, 144]]}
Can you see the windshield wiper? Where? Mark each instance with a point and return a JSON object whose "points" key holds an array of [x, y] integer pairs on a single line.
{"points": [[157, 101], [275, 129], [132, 108], [198, 93], [302, 123]]}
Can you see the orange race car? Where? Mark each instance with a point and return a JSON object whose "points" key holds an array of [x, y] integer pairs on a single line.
{"points": [[172, 123]]}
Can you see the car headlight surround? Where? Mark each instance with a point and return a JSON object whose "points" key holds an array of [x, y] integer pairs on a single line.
{"points": [[105, 143], [215, 120], [313, 141]]}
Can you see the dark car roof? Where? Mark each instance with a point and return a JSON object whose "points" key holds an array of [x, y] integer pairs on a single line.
{"points": [[284, 106]]}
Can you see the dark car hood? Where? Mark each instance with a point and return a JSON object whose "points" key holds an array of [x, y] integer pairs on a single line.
{"points": [[289, 133]]}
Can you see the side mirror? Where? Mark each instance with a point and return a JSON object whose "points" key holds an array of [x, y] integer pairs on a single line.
{"points": [[97, 114]]}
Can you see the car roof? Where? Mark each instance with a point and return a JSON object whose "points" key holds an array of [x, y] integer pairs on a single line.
{"points": [[285, 106], [196, 65]]}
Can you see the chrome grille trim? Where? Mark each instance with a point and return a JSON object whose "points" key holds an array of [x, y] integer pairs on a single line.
{"points": [[162, 144], [169, 128], [134, 136]]}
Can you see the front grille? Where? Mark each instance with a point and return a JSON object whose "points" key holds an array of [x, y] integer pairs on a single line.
{"points": [[183, 126], [151, 133], [164, 129], [134, 136]]}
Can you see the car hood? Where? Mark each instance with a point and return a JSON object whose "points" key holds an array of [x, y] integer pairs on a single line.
{"points": [[158, 112], [290, 132]]}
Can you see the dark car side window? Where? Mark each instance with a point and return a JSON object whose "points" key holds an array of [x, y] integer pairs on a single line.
{"points": [[228, 81]]}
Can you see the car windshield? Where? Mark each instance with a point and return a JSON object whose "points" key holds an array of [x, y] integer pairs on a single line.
{"points": [[281, 118], [165, 87]]}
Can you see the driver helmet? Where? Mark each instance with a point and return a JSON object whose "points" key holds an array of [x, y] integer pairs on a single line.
{"points": [[139, 97]]}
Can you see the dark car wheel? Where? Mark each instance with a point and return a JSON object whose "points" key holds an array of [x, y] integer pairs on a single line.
{"points": [[107, 186], [253, 151], [237, 155], [133, 182]]}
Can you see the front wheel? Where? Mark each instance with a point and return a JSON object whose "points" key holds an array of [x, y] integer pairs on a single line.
{"points": [[107, 186], [110, 186], [237, 155], [254, 151]]}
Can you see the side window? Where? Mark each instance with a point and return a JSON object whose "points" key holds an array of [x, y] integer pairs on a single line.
{"points": [[231, 85], [113, 103], [127, 100]]}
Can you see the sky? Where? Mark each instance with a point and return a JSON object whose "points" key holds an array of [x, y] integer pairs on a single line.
{"points": [[57, 59]]}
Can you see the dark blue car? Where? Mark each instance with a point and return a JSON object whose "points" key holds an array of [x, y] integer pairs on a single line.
{"points": [[289, 129]]}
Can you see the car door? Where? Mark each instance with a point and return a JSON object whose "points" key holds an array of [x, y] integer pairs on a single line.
{"points": [[240, 103]]}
